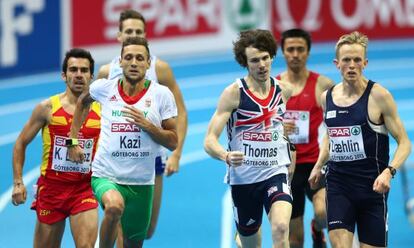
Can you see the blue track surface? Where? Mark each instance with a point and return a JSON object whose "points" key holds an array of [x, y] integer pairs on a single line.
{"points": [[196, 210]]}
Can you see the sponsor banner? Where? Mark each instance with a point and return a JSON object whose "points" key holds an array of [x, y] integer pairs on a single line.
{"points": [[173, 26], [329, 19], [164, 19], [29, 36]]}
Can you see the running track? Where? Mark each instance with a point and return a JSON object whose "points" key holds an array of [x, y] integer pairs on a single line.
{"points": [[196, 211]]}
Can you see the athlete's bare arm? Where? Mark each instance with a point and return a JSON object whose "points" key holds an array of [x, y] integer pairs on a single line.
{"points": [[39, 118], [316, 174], [103, 71], [324, 83], [229, 101], [287, 90], [83, 104], [166, 77], [165, 136], [389, 114]]}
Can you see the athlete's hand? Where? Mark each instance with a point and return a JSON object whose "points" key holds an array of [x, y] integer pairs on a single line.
{"points": [[19, 194], [315, 177], [76, 154], [173, 164], [289, 127], [234, 158], [136, 116], [382, 183]]}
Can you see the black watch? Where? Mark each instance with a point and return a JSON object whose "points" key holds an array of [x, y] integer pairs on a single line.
{"points": [[392, 170], [71, 142]]}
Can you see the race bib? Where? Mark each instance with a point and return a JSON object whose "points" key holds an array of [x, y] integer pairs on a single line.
{"points": [[301, 120], [127, 142], [264, 149], [346, 143], [61, 162]]}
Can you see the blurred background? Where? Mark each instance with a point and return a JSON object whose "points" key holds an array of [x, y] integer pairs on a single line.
{"points": [[195, 37]]}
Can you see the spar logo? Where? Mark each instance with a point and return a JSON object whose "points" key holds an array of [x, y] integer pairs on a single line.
{"points": [[294, 115], [263, 137], [60, 141], [339, 132], [164, 18], [344, 131], [124, 128], [245, 14], [355, 131]]}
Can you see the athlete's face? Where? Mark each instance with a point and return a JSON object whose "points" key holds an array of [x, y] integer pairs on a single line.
{"points": [[134, 62], [77, 75], [258, 64], [351, 62], [296, 53], [131, 28]]}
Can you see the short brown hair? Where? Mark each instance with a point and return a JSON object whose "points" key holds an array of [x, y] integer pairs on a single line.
{"points": [[260, 39], [136, 41], [130, 14]]}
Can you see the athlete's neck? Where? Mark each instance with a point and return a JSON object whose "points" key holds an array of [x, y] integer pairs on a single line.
{"points": [[358, 87], [70, 97], [297, 77], [261, 88], [131, 89]]}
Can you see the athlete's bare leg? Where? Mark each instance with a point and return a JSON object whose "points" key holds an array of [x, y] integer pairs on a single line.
{"points": [[156, 205], [319, 207], [48, 235], [84, 227], [253, 241], [114, 207], [279, 217]]}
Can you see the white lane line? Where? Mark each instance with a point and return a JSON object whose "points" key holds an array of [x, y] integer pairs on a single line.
{"points": [[39, 79], [17, 107], [226, 220], [201, 103], [197, 128], [28, 178], [5, 198], [192, 157], [8, 138], [375, 65], [201, 127], [192, 104], [193, 129]]}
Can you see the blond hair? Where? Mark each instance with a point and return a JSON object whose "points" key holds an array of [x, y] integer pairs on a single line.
{"points": [[352, 38]]}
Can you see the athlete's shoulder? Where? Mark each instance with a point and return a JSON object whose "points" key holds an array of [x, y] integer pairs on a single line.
{"points": [[379, 92], [164, 73], [104, 71], [46, 104], [281, 76], [160, 64], [287, 88], [324, 82], [232, 91]]}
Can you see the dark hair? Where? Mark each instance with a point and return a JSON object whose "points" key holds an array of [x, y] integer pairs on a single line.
{"points": [[130, 14], [135, 41], [78, 53], [296, 33], [260, 39]]}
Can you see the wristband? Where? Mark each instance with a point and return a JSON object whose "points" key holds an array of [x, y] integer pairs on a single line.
{"points": [[393, 171], [71, 142]]}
